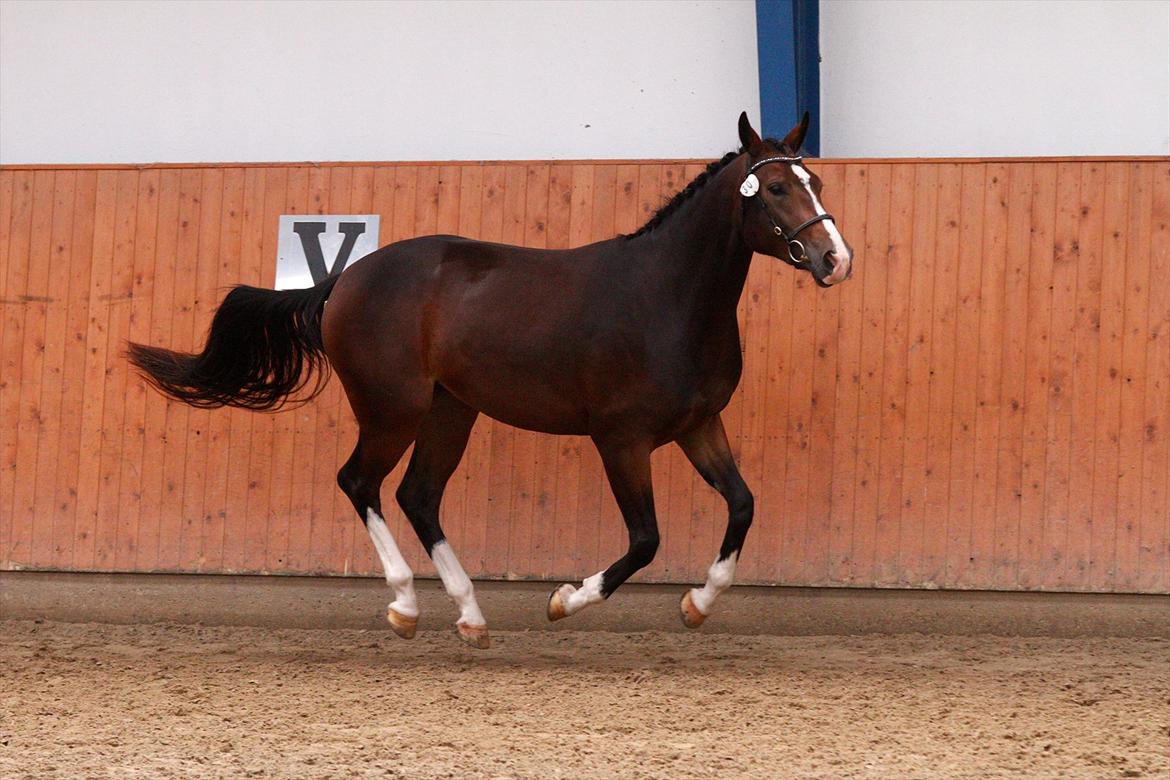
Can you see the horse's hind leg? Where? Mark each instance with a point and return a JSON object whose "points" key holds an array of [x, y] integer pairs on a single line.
{"points": [[379, 448], [438, 449]]}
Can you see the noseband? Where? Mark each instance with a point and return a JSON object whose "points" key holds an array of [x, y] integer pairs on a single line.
{"points": [[751, 185]]}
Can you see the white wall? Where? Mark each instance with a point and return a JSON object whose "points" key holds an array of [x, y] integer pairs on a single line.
{"points": [[102, 82], [963, 78], [227, 81]]}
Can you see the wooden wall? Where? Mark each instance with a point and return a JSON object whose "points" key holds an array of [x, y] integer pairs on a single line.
{"points": [[985, 405]]}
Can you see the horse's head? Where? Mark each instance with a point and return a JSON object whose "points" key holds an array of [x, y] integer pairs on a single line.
{"points": [[782, 210]]}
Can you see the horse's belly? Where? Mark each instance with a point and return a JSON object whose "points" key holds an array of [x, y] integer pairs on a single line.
{"points": [[522, 404]]}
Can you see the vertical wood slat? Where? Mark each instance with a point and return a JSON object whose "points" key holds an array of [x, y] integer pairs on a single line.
{"points": [[985, 405]]}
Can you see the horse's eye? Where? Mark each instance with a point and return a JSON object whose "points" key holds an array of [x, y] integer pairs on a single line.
{"points": [[776, 188]]}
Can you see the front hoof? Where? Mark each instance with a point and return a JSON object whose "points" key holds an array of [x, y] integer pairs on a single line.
{"points": [[556, 602], [400, 624], [691, 616], [476, 636]]}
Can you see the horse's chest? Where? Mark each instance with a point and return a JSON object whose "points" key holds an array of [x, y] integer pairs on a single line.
{"points": [[700, 388]]}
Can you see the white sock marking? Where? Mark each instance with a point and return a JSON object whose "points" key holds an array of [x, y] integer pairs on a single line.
{"points": [[588, 593], [457, 584], [398, 573], [719, 578], [839, 247]]}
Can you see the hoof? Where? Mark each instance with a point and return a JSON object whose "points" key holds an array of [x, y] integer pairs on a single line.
{"points": [[401, 624], [476, 636], [556, 602], [691, 616]]}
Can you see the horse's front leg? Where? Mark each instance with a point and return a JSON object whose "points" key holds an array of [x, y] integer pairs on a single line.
{"points": [[628, 468], [707, 448]]}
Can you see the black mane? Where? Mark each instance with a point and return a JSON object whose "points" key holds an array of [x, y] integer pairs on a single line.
{"points": [[688, 192], [685, 194]]}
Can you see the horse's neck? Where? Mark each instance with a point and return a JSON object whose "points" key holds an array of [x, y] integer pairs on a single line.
{"points": [[703, 256]]}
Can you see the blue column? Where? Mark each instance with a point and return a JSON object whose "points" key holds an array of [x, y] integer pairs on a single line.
{"points": [[787, 40]]}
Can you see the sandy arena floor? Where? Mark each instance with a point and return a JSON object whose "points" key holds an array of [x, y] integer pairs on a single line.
{"points": [[181, 701]]}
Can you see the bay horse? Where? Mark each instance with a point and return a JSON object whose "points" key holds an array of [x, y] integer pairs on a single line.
{"points": [[632, 341]]}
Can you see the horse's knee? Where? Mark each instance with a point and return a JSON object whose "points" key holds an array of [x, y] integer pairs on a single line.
{"points": [[643, 549]]}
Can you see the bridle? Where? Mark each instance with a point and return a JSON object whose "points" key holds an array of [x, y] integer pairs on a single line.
{"points": [[751, 185]]}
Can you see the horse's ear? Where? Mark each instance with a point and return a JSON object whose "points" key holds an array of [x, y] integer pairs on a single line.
{"points": [[747, 136], [796, 135]]}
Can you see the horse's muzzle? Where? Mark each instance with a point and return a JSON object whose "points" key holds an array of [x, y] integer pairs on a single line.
{"points": [[841, 268]]}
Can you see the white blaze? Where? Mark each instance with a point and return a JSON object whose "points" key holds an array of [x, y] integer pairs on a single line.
{"points": [[457, 584], [834, 234], [398, 573]]}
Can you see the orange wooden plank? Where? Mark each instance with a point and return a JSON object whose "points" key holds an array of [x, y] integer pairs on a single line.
{"points": [[65, 469], [113, 524], [29, 421], [7, 261], [626, 208], [872, 365], [97, 359], [1154, 555], [980, 570], [798, 437], [49, 384], [1102, 575], [1013, 389], [130, 479], [52, 379], [915, 524], [158, 333], [1087, 318], [1060, 380], [846, 403], [891, 441], [1032, 563], [942, 361], [964, 401], [1131, 433]]}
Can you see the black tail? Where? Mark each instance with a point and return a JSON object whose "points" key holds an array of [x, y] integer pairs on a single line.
{"points": [[263, 346]]}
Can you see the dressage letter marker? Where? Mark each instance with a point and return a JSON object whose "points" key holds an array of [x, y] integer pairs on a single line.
{"points": [[311, 247]]}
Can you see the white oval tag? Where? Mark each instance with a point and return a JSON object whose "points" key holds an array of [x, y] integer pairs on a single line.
{"points": [[750, 186]]}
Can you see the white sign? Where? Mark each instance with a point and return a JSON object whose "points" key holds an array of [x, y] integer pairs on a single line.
{"points": [[311, 247]]}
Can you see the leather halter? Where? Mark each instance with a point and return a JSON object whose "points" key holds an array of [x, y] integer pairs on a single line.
{"points": [[749, 190]]}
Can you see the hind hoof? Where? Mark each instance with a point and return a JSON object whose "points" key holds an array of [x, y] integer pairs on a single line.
{"points": [[691, 616], [401, 624], [476, 636], [556, 602]]}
